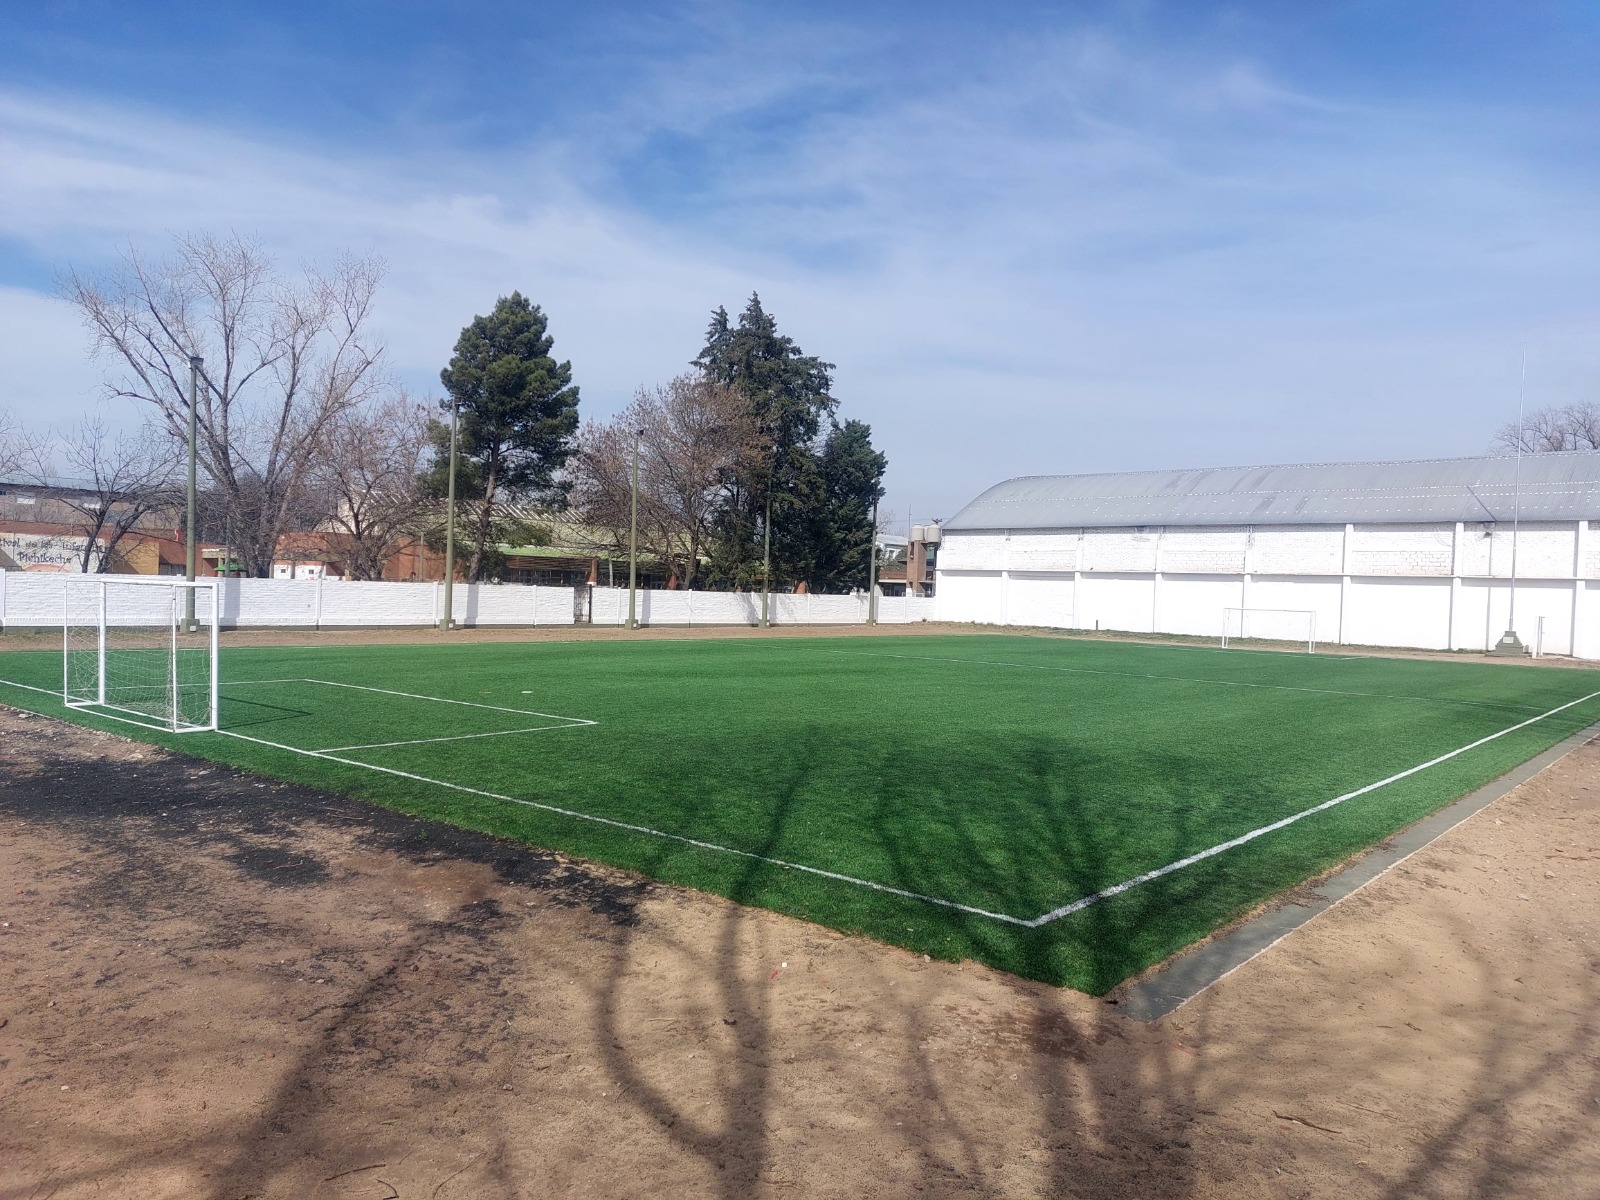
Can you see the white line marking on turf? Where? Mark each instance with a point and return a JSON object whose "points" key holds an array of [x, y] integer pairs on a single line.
{"points": [[1220, 847], [1276, 687], [1034, 923], [526, 712], [567, 722], [460, 737], [28, 687], [95, 711], [645, 829]]}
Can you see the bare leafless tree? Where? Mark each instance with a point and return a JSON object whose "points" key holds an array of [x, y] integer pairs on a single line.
{"points": [[13, 445], [283, 358], [1550, 430], [368, 473], [116, 481], [694, 435]]}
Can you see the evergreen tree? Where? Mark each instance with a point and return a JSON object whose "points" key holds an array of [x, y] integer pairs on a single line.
{"points": [[850, 472], [518, 417], [789, 397]]}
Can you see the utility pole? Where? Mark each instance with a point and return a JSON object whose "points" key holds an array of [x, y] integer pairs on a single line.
{"points": [[447, 621], [633, 538], [195, 364], [872, 568]]}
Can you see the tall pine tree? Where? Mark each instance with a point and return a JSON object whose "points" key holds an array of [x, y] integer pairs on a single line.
{"points": [[519, 412], [790, 398]]}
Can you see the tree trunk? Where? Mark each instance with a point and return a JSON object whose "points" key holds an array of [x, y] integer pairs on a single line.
{"points": [[485, 518]]}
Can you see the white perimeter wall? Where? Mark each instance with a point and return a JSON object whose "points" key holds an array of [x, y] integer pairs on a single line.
{"points": [[1438, 586], [1427, 586], [35, 600]]}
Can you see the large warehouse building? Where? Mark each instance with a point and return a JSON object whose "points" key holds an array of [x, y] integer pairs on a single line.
{"points": [[1413, 554]]}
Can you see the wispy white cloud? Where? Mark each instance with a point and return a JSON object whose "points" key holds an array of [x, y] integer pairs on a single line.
{"points": [[1073, 254]]}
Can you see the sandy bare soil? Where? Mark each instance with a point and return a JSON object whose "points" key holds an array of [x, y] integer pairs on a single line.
{"points": [[216, 986]]}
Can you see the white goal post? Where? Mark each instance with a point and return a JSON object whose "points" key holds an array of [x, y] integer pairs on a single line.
{"points": [[1298, 625], [142, 650]]}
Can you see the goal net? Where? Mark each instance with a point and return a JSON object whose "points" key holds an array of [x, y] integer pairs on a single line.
{"points": [[142, 650], [1295, 625]]}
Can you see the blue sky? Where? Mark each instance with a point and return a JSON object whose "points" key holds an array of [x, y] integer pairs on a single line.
{"points": [[1034, 237]]}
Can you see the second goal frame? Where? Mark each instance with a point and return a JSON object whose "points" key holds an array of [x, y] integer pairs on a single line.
{"points": [[1298, 625]]}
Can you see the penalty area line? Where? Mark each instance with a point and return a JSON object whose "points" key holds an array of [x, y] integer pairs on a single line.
{"points": [[526, 712], [566, 722], [570, 723]]}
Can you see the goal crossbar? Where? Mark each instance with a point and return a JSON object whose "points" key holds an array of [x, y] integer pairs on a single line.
{"points": [[143, 651], [1298, 625]]}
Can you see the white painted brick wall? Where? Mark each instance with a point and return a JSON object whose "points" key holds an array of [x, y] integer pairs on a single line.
{"points": [[353, 603], [1300, 550], [1210, 551], [1119, 550], [1040, 551], [35, 600], [1395, 550], [1544, 551], [974, 552]]}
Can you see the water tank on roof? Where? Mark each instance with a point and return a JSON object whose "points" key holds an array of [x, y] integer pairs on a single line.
{"points": [[932, 534], [917, 532]]}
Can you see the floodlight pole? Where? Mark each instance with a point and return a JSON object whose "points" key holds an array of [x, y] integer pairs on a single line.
{"points": [[1510, 643], [872, 568], [195, 363], [446, 621], [633, 538], [1516, 488]]}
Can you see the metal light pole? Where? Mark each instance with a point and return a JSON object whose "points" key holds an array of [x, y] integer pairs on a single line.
{"points": [[1510, 644], [446, 621], [872, 568], [195, 364], [766, 558], [633, 538]]}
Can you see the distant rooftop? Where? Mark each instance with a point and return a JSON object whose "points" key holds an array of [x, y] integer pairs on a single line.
{"points": [[1554, 487], [20, 483]]}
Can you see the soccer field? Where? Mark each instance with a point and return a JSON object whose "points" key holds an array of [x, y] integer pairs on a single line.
{"points": [[1072, 811]]}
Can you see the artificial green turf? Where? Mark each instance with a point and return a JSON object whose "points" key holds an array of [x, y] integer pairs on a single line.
{"points": [[1010, 774]]}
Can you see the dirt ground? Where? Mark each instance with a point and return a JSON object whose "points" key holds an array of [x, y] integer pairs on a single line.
{"points": [[213, 985]]}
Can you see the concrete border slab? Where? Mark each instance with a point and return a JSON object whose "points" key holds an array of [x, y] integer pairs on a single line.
{"points": [[1190, 972]]}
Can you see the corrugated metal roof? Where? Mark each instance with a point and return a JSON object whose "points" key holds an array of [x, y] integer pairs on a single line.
{"points": [[23, 483], [1555, 487]]}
